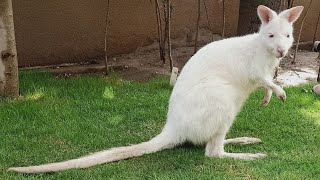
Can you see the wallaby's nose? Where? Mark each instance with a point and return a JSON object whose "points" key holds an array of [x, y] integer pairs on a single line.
{"points": [[281, 51]]}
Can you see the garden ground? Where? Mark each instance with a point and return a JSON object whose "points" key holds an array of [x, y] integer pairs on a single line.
{"points": [[63, 118], [66, 116]]}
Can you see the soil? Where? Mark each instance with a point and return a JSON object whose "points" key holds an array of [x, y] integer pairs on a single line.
{"points": [[305, 70], [145, 64]]}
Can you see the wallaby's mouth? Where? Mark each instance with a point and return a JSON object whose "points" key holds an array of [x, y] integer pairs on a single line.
{"points": [[280, 54]]}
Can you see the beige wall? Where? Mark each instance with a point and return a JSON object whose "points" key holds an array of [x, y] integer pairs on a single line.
{"points": [[59, 31], [310, 22]]}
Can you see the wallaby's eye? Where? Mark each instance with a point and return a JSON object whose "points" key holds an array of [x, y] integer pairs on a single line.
{"points": [[271, 35], [288, 36]]}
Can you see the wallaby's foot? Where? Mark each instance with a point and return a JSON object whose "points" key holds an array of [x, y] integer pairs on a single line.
{"points": [[242, 140], [281, 94], [264, 103], [243, 156], [267, 97]]}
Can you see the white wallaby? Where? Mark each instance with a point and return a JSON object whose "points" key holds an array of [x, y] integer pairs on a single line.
{"points": [[209, 93]]}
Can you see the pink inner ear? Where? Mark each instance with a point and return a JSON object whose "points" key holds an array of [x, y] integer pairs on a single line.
{"points": [[265, 14], [294, 14], [290, 18]]}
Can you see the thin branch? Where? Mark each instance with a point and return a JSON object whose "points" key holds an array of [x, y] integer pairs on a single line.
{"points": [[318, 78], [207, 15], [316, 30], [105, 38], [160, 33], [299, 36], [164, 39], [197, 29], [169, 8], [223, 18]]}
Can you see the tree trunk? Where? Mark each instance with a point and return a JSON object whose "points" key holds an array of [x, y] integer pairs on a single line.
{"points": [[9, 52], [249, 21]]}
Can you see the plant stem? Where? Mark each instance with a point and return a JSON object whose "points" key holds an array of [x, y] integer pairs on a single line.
{"points": [[160, 33], [106, 38], [197, 29], [207, 15], [168, 33], [316, 30], [224, 18]]}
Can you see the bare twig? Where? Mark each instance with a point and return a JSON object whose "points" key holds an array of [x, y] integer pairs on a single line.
{"points": [[316, 30], [165, 35], [169, 8], [106, 38], [197, 29], [318, 78], [299, 36], [223, 18], [160, 33], [296, 73], [207, 15]]}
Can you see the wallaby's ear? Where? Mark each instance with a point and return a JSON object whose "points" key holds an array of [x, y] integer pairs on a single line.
{"points": [[292, 14], [265, 14]]}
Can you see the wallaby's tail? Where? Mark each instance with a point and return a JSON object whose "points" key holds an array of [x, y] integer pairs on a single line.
{"points": [[160, 142]]}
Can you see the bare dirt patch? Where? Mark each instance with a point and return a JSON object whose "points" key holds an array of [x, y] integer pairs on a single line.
{"points": [[145, 64], [305, 70]]}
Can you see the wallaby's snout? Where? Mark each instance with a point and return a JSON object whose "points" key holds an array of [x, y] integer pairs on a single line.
{"points": [[280, 52]]}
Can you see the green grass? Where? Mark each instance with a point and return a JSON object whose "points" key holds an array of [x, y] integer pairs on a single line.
{"points": [[60, 119]]}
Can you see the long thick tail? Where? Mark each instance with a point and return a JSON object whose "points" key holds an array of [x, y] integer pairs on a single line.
{"points": [[158, 143]]}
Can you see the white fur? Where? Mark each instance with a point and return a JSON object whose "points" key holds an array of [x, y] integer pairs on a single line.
{"points": [[209, 93]]}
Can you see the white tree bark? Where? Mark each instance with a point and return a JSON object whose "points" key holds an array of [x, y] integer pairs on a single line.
{"points": [[8, 61]]}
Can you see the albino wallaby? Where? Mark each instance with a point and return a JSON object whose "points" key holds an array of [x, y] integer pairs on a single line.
{"points": [[209, 93]]}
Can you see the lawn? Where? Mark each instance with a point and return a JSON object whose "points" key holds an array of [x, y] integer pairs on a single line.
{"points": [[59, 119]]}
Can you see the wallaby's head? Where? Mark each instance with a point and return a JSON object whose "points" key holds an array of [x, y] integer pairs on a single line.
{"points": [[276, 29]]}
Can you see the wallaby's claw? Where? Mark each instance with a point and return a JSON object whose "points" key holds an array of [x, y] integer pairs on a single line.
{"points": [[264, 103]]}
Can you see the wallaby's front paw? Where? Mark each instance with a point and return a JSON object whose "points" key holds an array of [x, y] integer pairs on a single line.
{"points": [[264, 102], [282, 95]]}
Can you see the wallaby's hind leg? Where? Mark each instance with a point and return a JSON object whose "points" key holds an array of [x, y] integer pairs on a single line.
{"points": [[242, 140], [214, 148]]}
